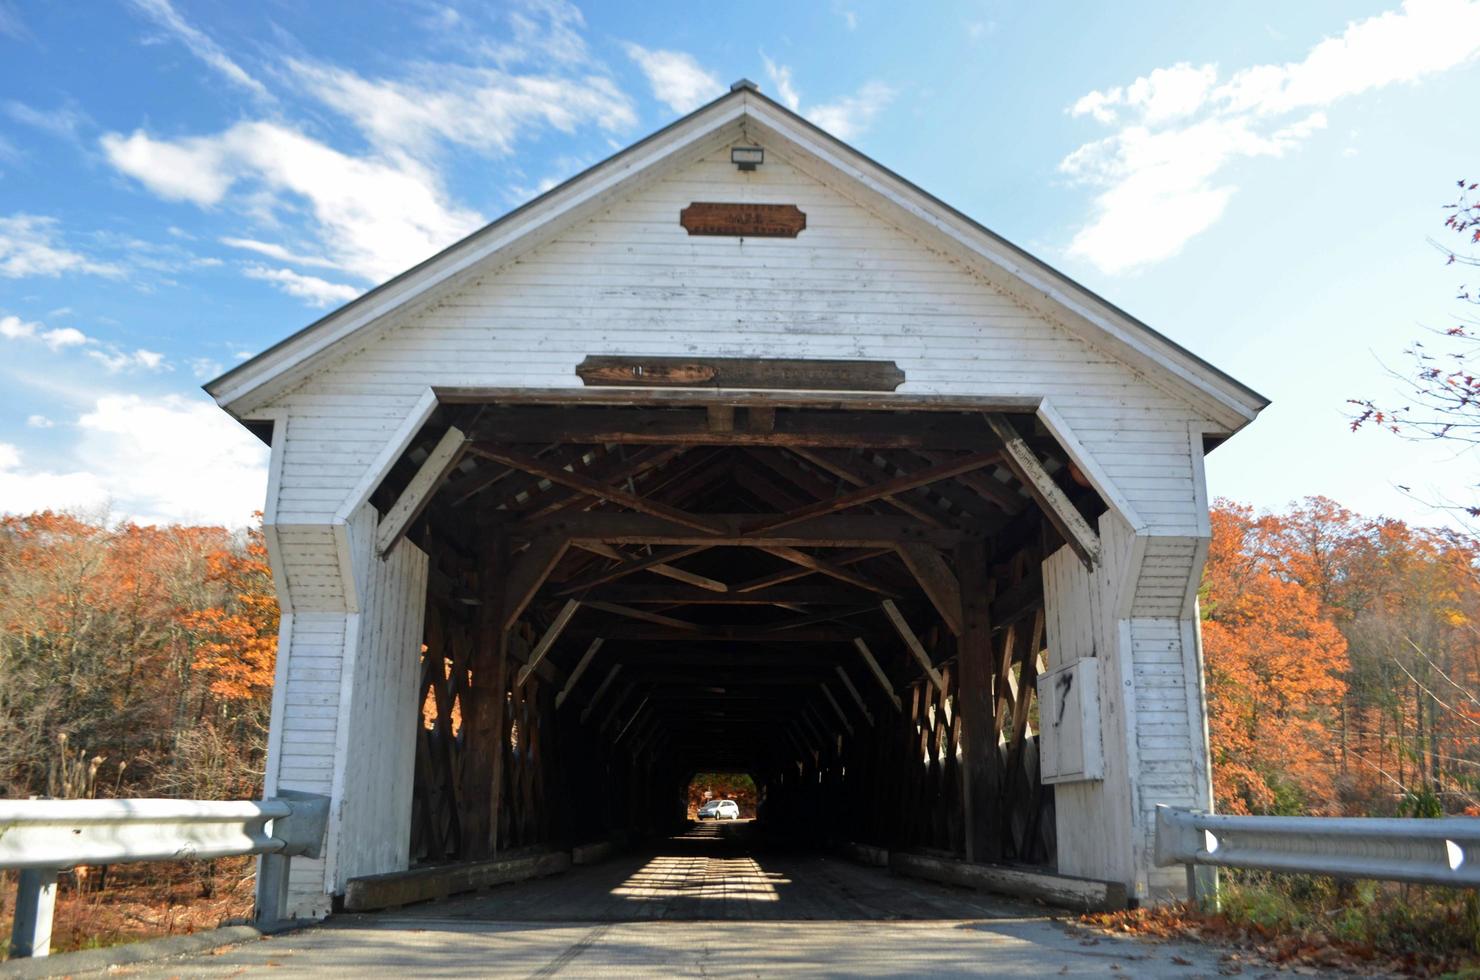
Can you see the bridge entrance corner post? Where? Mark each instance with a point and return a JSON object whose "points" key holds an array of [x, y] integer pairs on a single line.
{"points": [[35, 903]]}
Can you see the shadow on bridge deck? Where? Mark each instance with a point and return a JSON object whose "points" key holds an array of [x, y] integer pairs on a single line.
{"points": [[721, 870]]}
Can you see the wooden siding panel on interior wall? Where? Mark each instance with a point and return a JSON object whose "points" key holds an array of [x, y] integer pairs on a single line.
{"points": [[631, 281]]}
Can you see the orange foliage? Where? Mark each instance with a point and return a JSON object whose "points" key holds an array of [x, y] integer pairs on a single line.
{"points": [[1274, 662], [237, 641]]}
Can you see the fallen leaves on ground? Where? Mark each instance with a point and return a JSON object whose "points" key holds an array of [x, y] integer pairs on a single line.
{"points": [[1259, 947]]}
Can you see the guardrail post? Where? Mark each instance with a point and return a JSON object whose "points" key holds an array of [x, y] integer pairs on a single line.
{"points": [[302, 833], [35, 901]]}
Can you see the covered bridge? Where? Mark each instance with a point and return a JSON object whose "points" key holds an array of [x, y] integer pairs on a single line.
{"points": [[737, 452]]}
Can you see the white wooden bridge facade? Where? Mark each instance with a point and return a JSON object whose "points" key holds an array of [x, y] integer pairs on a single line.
{"points": [[881, 510]]}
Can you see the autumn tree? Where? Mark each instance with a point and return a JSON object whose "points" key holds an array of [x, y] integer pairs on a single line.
{"points": [[1274, 666], [122, 648]]}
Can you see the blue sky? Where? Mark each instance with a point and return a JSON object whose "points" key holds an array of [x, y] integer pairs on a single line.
{"points": [[184, 182]]}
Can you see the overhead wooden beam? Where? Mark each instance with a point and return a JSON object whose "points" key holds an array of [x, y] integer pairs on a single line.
{"points": [[644, 615], [654, 562], [595, 488], [830, 531], [620, 470], [606, 682], [562, 619], [823, 567], [418, 493], [830, 463], [1057, 506], [857, 698], [801, 595], [937, 580], [884, 488], [723, 634], [635, 713], [883, 678], [529, 573], [842, 715], [913, 642], [575, 675], [774, 579]]}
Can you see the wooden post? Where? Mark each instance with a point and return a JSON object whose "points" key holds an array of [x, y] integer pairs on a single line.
{"points": [[980, 776], [484, 753]]}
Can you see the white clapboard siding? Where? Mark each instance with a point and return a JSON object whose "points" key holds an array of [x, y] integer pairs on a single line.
{"points": [[304, 730], [632, 281]]}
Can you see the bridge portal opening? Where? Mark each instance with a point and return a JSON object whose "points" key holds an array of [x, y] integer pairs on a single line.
{"points": [[717, 787], [840, 599]]}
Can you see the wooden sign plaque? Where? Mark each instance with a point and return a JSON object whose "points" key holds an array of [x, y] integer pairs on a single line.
{"points": [[743, 220], [739, 372]]}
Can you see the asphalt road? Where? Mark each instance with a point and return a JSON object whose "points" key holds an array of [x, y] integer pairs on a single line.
{"points": [[712, 903]]}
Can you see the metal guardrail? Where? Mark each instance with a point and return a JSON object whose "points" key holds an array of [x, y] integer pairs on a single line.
{"points": [[41, 838], [1424, 852]]}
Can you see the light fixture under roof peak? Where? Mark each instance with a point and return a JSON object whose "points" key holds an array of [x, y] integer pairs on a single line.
{"points": [[747, 157]]}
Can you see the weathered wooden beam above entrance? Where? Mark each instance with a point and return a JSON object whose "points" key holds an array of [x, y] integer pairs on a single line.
{"points": [[1057, 506], [690, 427], [418, 493], [726, 634], [740, 372]]}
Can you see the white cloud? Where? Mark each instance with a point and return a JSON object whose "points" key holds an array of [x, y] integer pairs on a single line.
{"points": [[110, 357], [206, 368], [153, 459], [62, 123], [167, 17], [1162, 177], [14, 328], [486, 109], [30, 246], [676, 78], [115, 360], [312, 289], [39, 422], [374, 217], [844, 117], [780, 76], [275, 251], [848, 117]]}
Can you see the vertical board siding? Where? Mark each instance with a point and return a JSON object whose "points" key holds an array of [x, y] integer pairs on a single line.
{"points": [[1094, 820], [631, 281], [373, 811]]}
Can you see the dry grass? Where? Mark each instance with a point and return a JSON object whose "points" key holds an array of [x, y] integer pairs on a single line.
{"points": [[144, 901]]}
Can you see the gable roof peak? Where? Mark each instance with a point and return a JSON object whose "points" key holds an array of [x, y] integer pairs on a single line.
{"points": [[745, 84]]}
